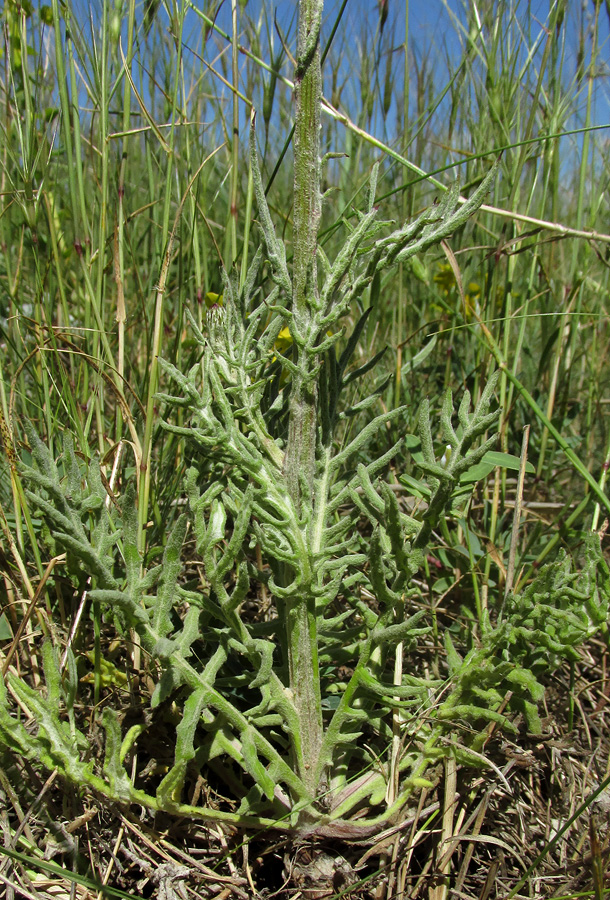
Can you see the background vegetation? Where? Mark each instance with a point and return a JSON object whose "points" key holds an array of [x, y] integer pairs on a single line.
{"points": [[125, 188]]}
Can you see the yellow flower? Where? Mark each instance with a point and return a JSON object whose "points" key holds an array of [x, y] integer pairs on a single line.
{"points": [[445, 278], [284, 340], [212, 299]]}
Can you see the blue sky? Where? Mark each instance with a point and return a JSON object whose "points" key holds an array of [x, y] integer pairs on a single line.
{"points": [[437, 32], [436, 29]]}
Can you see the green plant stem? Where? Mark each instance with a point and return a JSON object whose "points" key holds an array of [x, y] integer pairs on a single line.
{"points": [[231, 236], [300, 450]]}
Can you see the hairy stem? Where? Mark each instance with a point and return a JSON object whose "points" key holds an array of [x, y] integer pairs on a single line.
{"points": [[300, 450]]}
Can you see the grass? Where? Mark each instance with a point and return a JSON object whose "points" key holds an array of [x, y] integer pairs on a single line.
{"points": [[126, 190]]}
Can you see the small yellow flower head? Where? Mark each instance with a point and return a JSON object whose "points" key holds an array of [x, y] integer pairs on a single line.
{"points": [[212, 299], [444, 278], [284, 340]]}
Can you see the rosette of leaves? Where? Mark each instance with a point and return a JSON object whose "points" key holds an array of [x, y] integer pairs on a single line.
{"points": [[229, 675]]}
